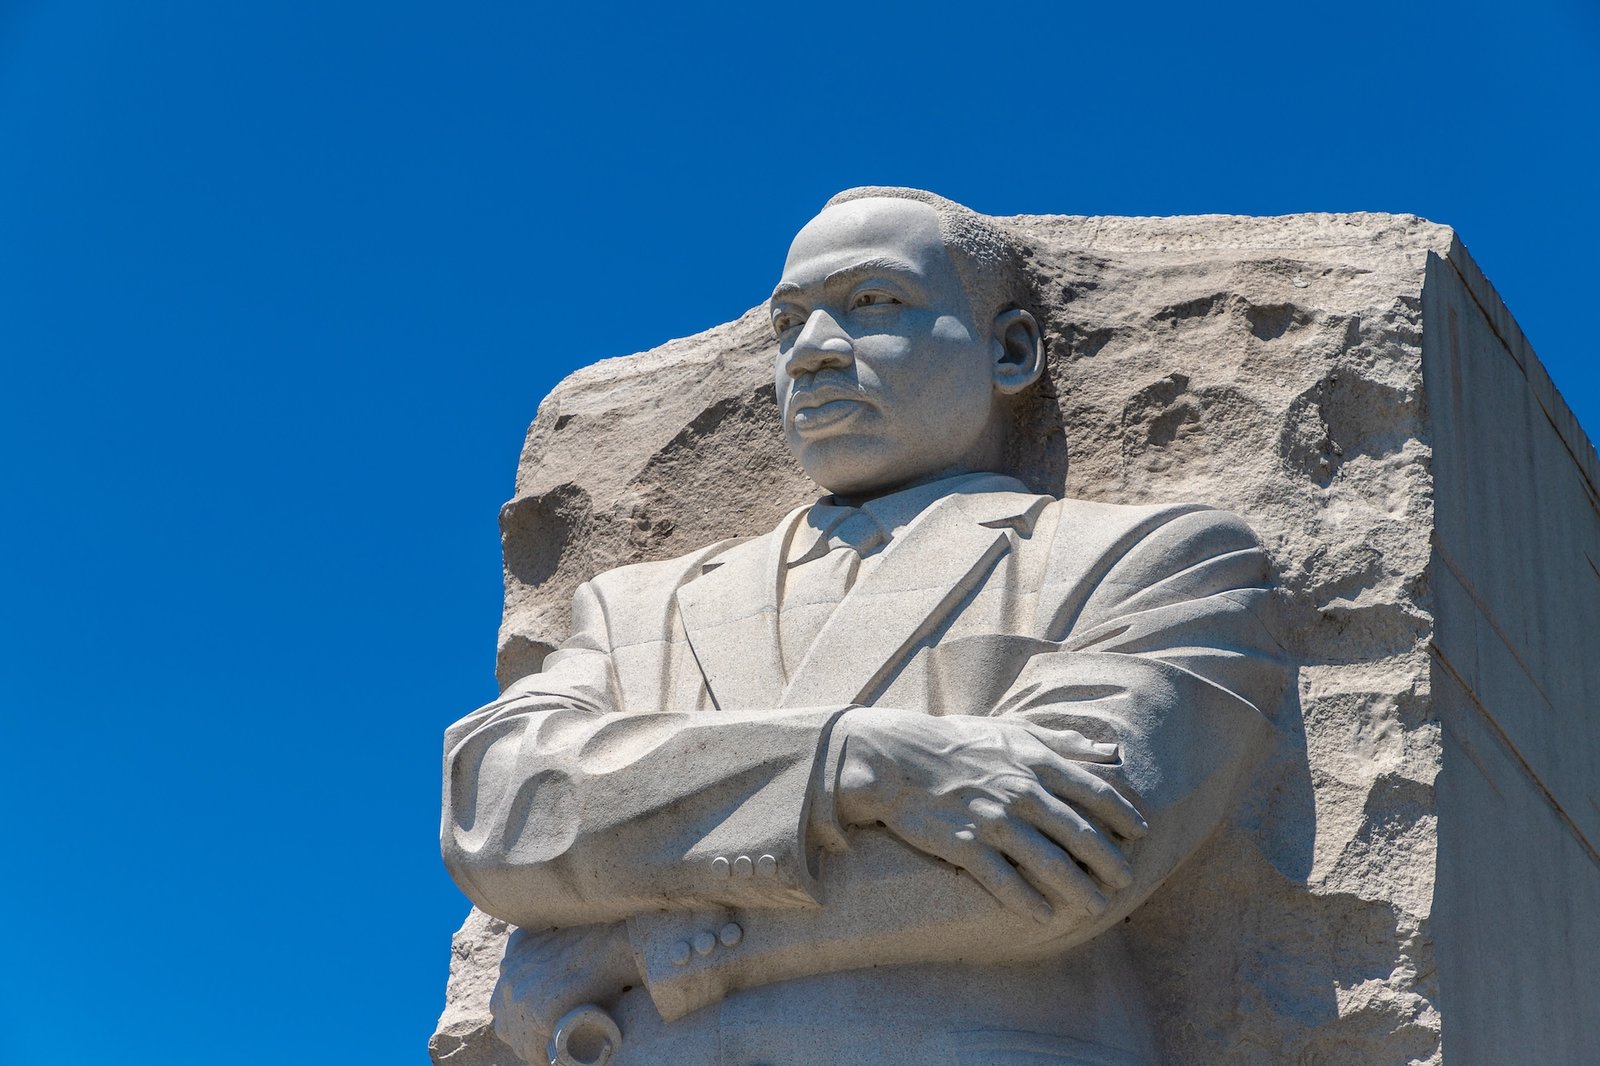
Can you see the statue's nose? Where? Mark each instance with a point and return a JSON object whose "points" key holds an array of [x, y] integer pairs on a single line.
{"points": [[822, 343]]}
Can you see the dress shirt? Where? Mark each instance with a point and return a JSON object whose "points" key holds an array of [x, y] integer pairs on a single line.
{"points": [[833, 547]]}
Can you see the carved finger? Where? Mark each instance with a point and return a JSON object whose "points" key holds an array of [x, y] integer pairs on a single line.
{"points": [[1081, 840], [1092, 796], [1047, 865], [957, 843], [990, 869], [1071, 744]]}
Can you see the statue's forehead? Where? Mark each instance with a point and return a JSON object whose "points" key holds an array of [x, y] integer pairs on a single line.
{"points": [[860, 230]]}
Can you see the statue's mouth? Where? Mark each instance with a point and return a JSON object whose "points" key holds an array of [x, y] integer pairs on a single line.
{"points": [[826, 414], [823, 405]]}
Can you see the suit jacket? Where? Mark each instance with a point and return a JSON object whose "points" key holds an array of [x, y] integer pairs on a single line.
{"points": [[661, 770]]}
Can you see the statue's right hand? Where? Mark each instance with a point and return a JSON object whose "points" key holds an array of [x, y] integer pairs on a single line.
{"points": [[989, 795]]}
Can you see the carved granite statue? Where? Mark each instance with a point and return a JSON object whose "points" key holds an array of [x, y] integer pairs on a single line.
{"points": [[878, 786]]}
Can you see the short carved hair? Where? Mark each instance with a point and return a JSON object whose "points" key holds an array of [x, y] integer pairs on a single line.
{"points": [[987, 259]]}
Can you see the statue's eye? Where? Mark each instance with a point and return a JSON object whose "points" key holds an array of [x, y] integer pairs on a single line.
{"points": [[784, 321], [872, 299]]}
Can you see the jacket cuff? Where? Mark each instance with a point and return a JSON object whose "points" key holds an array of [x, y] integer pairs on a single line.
{"points": [[685, 956], [823, 829]]}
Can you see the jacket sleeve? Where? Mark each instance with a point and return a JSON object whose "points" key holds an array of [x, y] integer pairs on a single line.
{"points": [[563, 807], [1155, 642]]}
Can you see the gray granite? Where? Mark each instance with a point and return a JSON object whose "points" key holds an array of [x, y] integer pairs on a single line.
{"points": [[1517, 590], [1294, 372]]}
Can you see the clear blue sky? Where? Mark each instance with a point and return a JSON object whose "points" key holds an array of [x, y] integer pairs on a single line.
{"points": [[282, 284]]}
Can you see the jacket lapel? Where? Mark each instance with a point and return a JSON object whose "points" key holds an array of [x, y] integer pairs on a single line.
{"points": [[730, 615], [918, 581]]}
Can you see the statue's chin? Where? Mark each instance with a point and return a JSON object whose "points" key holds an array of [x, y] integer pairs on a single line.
{"points": [[848, 466], [859, 486], [857, 480], [861, 467]]}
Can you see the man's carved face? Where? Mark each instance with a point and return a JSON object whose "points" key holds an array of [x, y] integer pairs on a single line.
{"points": [[882, 375]]}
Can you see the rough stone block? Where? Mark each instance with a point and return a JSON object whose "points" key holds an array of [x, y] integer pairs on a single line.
{"points": [[1351, 386]]}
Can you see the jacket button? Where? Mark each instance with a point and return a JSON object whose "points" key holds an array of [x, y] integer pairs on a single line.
{"points": [[767, 866], [679, 953], [730, 934], [719, 866], [703, 943], [742, 866]]}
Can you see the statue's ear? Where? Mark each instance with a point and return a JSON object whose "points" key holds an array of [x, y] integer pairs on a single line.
{"points": [[1018, 348]]}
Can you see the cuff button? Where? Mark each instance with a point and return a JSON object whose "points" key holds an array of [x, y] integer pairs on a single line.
{"points": [[679, 953], [730, 934], [767, 866], [703, 943], [719, 866], [742, 866]]}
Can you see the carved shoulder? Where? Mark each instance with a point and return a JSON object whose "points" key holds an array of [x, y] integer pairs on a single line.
{"points": [[636, 601], [1104, 553]]}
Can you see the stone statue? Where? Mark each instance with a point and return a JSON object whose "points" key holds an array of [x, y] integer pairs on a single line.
{"points": [[878, 786]]}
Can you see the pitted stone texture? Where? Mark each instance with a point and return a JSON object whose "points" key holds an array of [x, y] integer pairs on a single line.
{"points": [[1272, 367], [465, 1036], [645, 457]]}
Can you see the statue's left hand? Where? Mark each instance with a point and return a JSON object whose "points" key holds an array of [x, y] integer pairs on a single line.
{"points": [[546, 973]]}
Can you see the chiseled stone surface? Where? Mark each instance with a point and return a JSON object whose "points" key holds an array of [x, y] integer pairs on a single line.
{"points": [[868, 740], [1272, 367], [466, 1032]]}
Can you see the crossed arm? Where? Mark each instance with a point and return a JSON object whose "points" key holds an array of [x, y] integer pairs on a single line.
{"points": [[562, 812]]}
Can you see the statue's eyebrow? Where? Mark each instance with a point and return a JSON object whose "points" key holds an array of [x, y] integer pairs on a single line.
{"points": [[877, 265], [882, 264]]}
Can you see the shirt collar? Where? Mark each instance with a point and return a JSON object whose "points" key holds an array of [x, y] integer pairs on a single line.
{"points": [[893, 511], [896, 510]]}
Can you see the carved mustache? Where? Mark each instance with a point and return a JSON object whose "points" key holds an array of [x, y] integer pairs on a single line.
{"points": [[823, 388]]}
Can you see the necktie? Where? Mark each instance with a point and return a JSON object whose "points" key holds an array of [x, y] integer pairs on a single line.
{"points": [[818, 580]]}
